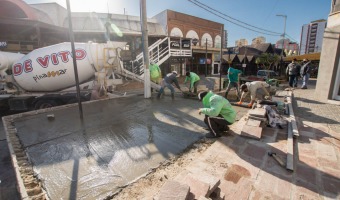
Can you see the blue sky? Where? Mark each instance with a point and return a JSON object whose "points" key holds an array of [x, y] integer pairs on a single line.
{"points": [[258, 13]]}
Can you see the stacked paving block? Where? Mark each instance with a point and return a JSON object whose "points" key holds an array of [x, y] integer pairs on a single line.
{"points": [[190, 186], [256, 120]]}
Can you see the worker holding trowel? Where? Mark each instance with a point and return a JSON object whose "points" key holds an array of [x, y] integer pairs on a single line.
{"points": [[219, 113], [194, 81], [258, 91]]}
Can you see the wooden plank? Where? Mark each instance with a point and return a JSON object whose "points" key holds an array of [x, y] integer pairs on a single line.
{"points": [[253, 122], [252, 132], [290, 152], [292, 117]]}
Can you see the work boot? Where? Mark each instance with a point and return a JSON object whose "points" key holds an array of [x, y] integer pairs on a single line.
{"points": [[212, 135], [158, 96], [172, 96]]}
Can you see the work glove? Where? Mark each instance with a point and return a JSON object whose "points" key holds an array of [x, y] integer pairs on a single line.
{"points": [[250, 105], [239, 103]]}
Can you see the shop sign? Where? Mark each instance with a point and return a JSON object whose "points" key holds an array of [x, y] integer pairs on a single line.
{"points": [[3, 44], [186, 44]]}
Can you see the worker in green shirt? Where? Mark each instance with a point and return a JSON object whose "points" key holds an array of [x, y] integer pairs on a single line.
{"points": [[234, 77], [194, 80], [219, 113], [155, 72]]}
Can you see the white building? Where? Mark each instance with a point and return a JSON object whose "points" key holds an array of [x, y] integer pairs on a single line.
{"points": [[258, 40], [241, 42], [312, 36]]}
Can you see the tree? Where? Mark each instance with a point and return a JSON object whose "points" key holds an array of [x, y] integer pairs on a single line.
{"points": [[267, 60]]}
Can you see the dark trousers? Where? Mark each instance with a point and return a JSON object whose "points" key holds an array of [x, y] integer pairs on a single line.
{"points": [[291, 80], [216, 124]]}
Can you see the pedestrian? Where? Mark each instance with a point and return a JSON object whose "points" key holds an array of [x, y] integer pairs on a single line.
{"points": [[257, 89], [219, 113], [194, 81], [168, 82], [296, 81], [305, 73], [155, 73], [233, 76], [291, 71]]}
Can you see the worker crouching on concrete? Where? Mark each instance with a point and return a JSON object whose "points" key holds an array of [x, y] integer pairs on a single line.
{"points": [[218, 113], [194, 81], [167, 81], [258, 91]]}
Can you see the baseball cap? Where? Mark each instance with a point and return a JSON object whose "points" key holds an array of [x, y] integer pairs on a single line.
{"points": [[201, 95]]}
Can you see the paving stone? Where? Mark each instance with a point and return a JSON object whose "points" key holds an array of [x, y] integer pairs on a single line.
{"points": [[257, 112], [306, 191], [255, 152], [238, 191], [306, 173], [197, 187], [253, 122], [326, 152], [172, 190], [325, 164], [264, 195], [202, 198], [252, 132], [331, 185], [309, 160]]}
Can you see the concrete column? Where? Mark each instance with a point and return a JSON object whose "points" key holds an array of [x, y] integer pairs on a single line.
{"points": [[329, 62]]}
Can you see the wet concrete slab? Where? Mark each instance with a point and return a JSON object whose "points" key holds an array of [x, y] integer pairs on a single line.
{"points": [[120, 140]]}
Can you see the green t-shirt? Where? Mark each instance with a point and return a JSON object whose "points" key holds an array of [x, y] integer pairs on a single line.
{"points": [[233, 74], [155, 71]]}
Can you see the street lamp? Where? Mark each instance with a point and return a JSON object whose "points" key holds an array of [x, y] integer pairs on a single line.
{"points": [[283, 39]]}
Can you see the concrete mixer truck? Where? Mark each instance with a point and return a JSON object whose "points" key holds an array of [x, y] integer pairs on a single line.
{"points": [[45, 77]]}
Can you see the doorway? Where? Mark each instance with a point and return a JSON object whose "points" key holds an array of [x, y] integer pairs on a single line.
{"points": [[216, 68]]}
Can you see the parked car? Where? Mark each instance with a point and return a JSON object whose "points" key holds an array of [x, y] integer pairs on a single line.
{"points": [[266, 74]]}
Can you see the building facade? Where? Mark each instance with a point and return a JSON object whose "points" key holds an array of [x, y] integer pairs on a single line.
{"points": [[312, 37], [206, 41]]}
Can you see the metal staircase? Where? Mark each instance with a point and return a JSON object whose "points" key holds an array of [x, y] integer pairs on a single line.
{"points": [[159, 52]]}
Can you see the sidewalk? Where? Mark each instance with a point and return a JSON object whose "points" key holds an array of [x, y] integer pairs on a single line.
{"points": [[245, 171]]}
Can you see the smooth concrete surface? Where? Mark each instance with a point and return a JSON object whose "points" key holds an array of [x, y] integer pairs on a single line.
{"points": [[120, 140], [8, 184]]}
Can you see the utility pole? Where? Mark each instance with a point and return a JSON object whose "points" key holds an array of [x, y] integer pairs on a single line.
{"points": [[144, 28], [74, 59], [206, 57], [221, 54], [284, 35]]}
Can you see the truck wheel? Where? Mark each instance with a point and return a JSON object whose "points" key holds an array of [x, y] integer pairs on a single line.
{"points": [[41, 104]]}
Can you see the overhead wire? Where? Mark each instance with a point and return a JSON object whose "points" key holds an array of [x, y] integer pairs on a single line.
{"points": [[205, 7]]}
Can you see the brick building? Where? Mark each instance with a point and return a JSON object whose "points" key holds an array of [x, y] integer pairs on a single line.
{"points": [[206, 41]]}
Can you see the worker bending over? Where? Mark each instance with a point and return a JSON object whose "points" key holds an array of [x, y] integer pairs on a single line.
{"points": [[194, 80], [168, 82], [258, 90], [218, 113]]}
